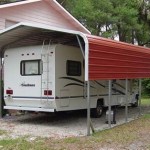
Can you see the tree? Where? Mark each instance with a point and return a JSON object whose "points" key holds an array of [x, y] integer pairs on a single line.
{"points": [[146, 86], [143, 35], [91, 13], [127, 20]]}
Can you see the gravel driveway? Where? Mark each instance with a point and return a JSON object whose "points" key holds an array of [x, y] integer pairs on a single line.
{"points": [[60, 125]]}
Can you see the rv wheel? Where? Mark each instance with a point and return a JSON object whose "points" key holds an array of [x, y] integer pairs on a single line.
{"points": [[98, 111], [136, 103]]}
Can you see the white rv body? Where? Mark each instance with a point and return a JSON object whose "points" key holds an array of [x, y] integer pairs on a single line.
{"points": [[64, 91]]}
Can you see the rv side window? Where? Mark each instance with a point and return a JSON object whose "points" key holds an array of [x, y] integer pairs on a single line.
{"points": [[73, 68], [31, 67]]}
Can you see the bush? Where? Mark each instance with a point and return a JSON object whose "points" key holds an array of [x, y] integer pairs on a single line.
{"points": [[146, 86]]}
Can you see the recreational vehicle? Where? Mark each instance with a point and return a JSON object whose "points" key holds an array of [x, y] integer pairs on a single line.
{"points": [[50, 78]]}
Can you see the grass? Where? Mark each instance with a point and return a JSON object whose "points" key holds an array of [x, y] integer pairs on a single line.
{"points": [[118, 137], [145, 102], [21, 144], [2, 132], [71, 140], [121, 136]]}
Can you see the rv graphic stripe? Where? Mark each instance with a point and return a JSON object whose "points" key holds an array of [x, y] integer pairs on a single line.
{"points": [[119, 85], [100, 84], [79, 81], [73, 79], [114, 89], [73, 84]]}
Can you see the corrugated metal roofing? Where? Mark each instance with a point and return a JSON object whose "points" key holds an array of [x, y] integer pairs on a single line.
{"points": [[104, 58], [109, 59]]}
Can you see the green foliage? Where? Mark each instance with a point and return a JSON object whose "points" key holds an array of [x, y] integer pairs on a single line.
{"points": [[142, 35], [127, 20], [125, 14], [92, 13], [146, 86]]}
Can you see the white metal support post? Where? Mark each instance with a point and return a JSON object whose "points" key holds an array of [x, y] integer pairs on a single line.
{"points": [[1, 98], [79, 42], [88, 108], [109, 102], [140, 90], [126, 106]]}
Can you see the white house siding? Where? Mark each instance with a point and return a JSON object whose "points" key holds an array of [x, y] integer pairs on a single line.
{"points": [[39, 13], [2, 23]]}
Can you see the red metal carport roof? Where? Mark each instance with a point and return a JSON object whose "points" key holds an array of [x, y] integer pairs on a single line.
{"points": [[109, 59]]}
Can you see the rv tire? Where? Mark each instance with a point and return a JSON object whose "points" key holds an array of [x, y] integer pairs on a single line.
{"points": [[98, 111], [136, 103]]}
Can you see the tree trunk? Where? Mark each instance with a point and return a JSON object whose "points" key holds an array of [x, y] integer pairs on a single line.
{"points": [[120, 33]]}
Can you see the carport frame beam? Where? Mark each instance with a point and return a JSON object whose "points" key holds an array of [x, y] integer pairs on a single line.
{"points": [[88, 108], [140, 91], [126, 106], [79, 42], [1, 98], [109, 102]]}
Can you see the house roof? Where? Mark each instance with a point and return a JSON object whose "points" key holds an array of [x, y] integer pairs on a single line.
{"points": [[18, 3], [104, 58], [58, 7]]}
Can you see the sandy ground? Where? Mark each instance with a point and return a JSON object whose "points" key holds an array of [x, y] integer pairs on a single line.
{"points": [[60, 125]]}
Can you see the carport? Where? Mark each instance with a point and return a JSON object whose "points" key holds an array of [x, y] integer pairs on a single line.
{"points": [[104, 59], [108, 60]]}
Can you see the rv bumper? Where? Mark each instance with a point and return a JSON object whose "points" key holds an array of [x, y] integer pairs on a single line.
{"points": [[30, 109]]}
